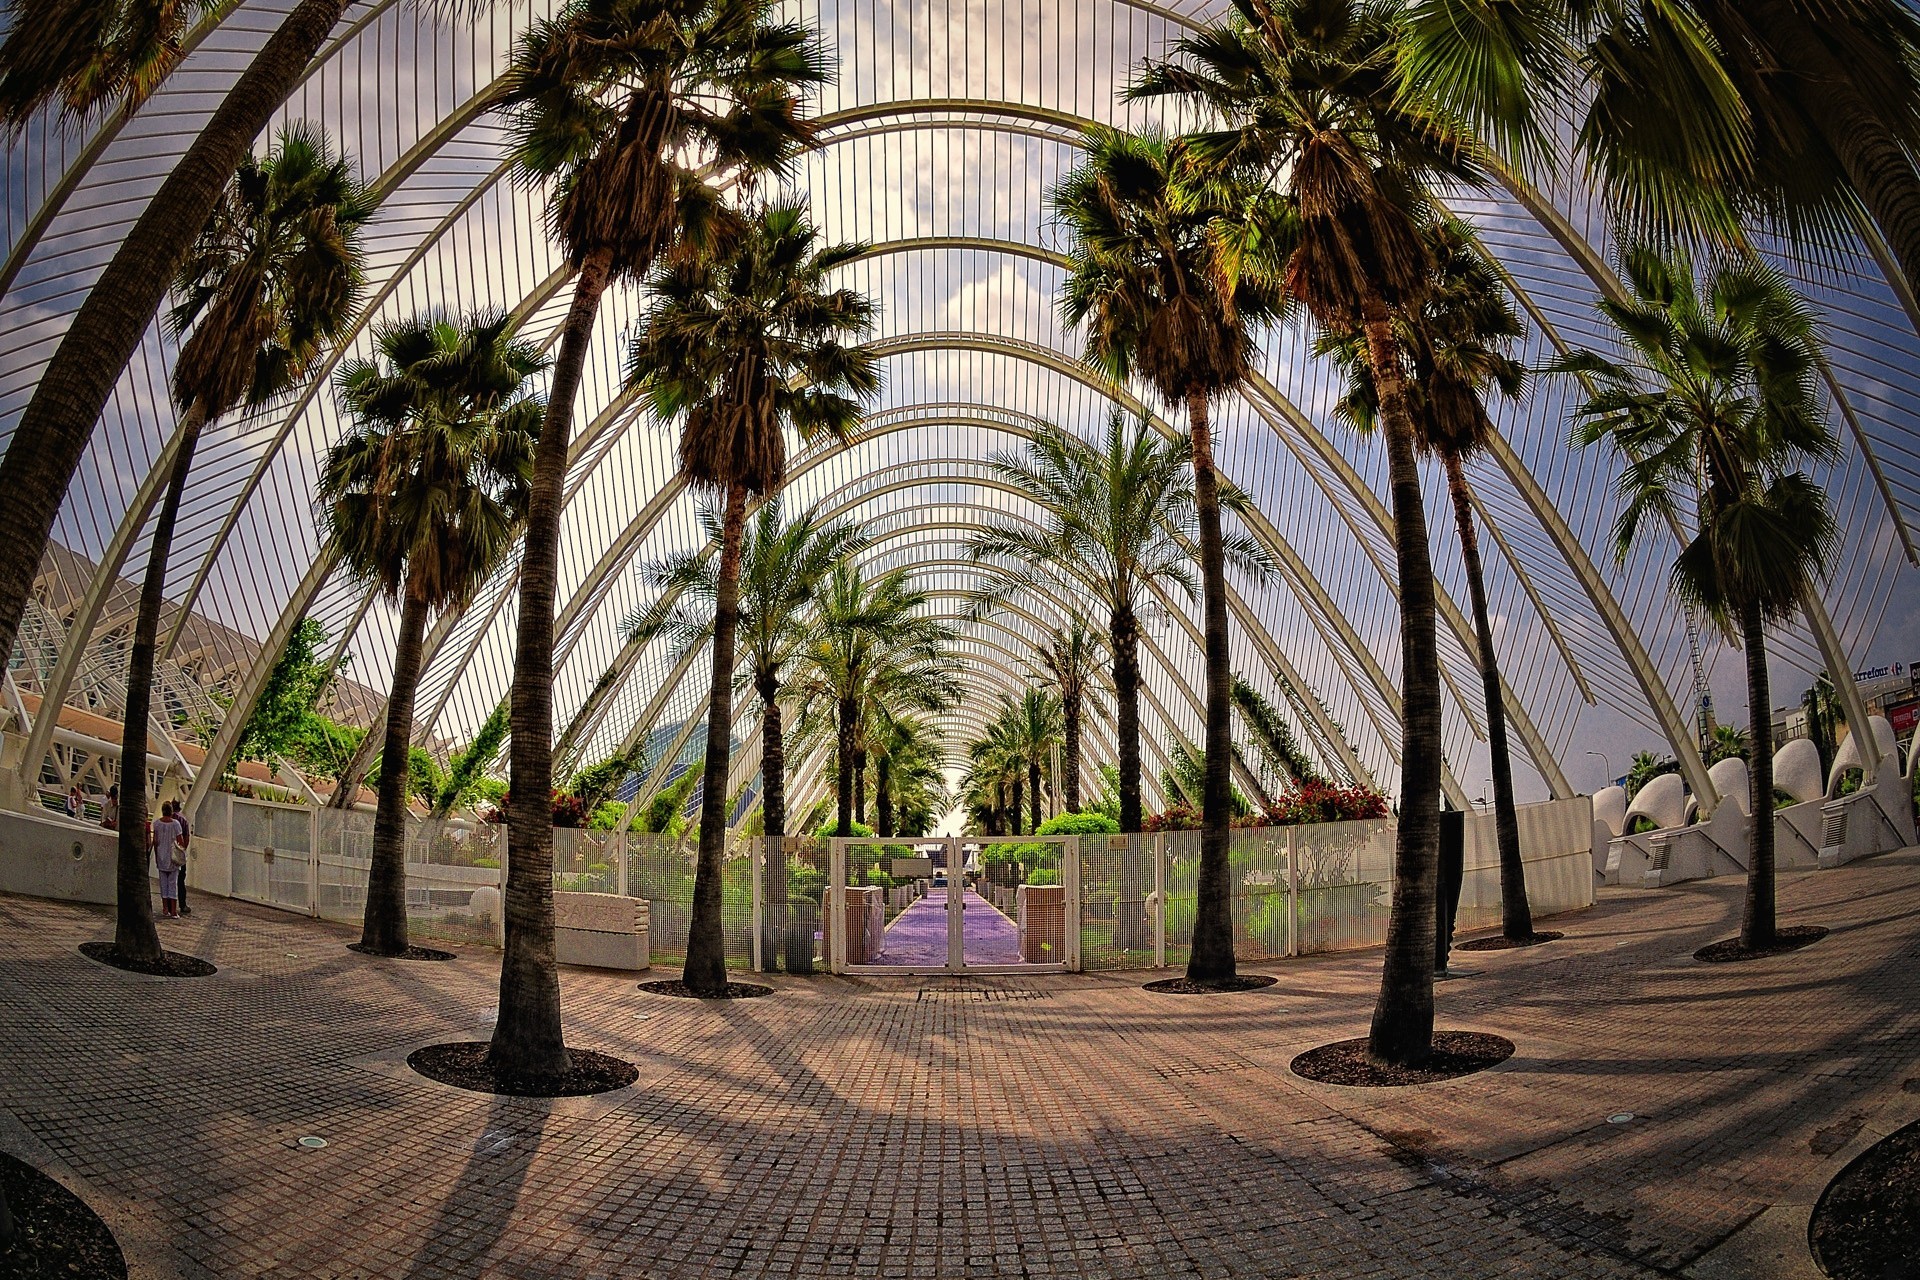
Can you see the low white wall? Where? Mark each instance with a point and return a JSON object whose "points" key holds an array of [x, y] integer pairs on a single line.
{"points": [[55, 857]]}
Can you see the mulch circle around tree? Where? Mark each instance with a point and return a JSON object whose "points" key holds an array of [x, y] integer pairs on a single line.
{"points": [[1185, 987], [734, 991], [411, 953], [1500, 942], [1790, 939], [1455, 1054], [1867, 1219], [172, 964], [56, 1234], [463, 1064]]}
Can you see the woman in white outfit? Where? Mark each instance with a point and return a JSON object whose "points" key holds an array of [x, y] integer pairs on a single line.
{"points": [[166, 853]]}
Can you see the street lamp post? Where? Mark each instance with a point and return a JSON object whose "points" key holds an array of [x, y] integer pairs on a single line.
{"points": [[1608, 764]]}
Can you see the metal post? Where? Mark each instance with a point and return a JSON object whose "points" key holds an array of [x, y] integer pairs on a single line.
{"points": [[620, 863], [836, 921], [1160, 901], [956, 909], [1070, 877], [313, 866], [1293, 895], [756, 859]]}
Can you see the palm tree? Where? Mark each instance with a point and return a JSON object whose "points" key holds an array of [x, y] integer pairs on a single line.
{"points": [[996, 770], [1825, 712], [1803, 114], [1037, 724], [53, 430], [1069, 661], [740, 346], [782, 564], [1309, 104], [873, 644], [1460, 341], [82, 55], [909, 777], [423, 499], [1146, 276], [1712, 403], [605, 100], [270, 281], [1730, 742]]}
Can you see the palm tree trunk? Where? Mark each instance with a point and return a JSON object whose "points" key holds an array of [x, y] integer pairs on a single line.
{"points": [[383, 928], [773, 814], [706, 969], [1013, 814], [843, 767], [1516, 917], [1124, 630], [1212, 957], [134, 937], [860, 786], [883, 795], [1033, 795], [527, 1039], [1129, 923], [52, 433], [1878, 165], [1402, 1031], [1757, 923], [1070, 751]]}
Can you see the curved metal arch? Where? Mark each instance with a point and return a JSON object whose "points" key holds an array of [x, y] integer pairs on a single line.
{"points": [[1243, 611], [1252, 627]]}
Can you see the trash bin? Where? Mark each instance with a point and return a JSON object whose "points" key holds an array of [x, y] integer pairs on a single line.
{"points": [[803, 920]]}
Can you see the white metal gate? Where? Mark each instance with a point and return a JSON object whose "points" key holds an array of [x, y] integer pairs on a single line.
{"points": [[953, 904], [273, 859]]}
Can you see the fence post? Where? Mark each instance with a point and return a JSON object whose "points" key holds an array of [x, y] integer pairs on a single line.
{"points": [[1071, 879], [1293, 895], [313, 866], [620, 863], [756, 858], [836, 922], [1160, 901]]}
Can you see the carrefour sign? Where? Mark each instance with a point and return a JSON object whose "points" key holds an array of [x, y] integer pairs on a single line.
{"points": [[1897, 671]]}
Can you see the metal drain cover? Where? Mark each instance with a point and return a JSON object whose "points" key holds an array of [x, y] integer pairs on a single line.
{"points": [[1620, 1117], [312, 1143]]}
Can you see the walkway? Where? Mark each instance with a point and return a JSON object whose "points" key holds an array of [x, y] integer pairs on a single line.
{"points": [[917, 938], [1015, 1127]]}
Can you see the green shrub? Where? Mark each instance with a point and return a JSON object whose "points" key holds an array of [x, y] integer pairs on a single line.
{"points": [[830, 829], [487, 862], [1079, 824], [1045, 875], [1640, 824]]}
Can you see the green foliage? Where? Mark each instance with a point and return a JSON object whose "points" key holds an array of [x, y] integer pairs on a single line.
{"points": [[1044, 875], [465, 782], [1084, 823], [607, 815], [1729, 742], [1272, 736], [828, 830], [665, 814], [283, 719], [1645, 768]]}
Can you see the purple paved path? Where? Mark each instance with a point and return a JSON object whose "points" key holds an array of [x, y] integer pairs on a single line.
{"points": [[918, 936]]}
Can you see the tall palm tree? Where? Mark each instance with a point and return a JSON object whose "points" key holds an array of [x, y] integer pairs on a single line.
{"points": [[1696, 115], [1148, 279], [53, 430], [1460, 342], [995, 769], [1037, 725], [1115, 516], [1069, 661], [1712, 403], [740, 346], [873, 643], [423, 499], [1308, 103], [783, 561], [605, 100], [271, 280], [909, 777]]}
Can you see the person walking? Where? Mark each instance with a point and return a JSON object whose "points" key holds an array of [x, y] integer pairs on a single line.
{"points": [[73, 801], [110, 809], [165, 842], [186, 840]]}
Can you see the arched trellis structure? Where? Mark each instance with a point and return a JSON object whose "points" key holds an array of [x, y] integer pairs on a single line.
{"points": [[998, 100]]}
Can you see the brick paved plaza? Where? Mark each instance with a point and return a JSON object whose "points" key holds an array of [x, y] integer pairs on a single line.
{"points": [[1066, 1126]]}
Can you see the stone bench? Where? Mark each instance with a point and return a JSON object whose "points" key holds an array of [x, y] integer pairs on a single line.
{"points": [[600, 930]]}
